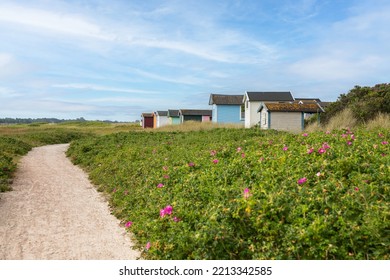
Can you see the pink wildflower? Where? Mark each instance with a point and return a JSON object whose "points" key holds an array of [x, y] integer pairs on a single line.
{"points": [[246, 193], [114, 190], [285, 148], [325, 146], [380, 135], [213, 152], [215, 161], [305, 134], [318, 174], [327, 132], [176, 219], [166, 176], [349, 143], [302, 180], [321, 151], [191, 164], [147, 247], [384, 143], [160, 185], [309, 151], [243, 155], [129, 224], [356, 189], [239, 149], [168, 209]]}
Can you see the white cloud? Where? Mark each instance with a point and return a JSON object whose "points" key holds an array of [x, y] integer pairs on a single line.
{"points": [[53, 21], [294, 11], [11, 67], [214, 43], [101, 88], [188, 80], [353, 49], [6, 92], [5, 59], [332, 67]]}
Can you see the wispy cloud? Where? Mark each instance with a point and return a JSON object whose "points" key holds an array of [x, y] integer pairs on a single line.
{"points": [[335, 67], [102, 88], [10, 67], [294, 11], [96, 57], [187, 80], [353, 49], [70, 24], [214, 43]]}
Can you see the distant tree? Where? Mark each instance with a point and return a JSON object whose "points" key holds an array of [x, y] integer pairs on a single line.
{"points": [[364, 102]]}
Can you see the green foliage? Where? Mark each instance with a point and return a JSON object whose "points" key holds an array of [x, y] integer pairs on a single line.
{"points": [[247, 193], [18, 143], [365, 103], [50, 136], [9, 148]]}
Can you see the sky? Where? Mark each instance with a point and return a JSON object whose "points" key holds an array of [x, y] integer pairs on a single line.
{"points": [[113, 60]]}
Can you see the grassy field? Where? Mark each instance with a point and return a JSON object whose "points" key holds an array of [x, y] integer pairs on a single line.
{"points": [[233, 193], [17, 140], [212, 192]]}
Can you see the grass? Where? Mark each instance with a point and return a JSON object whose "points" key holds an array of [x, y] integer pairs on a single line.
{"points": [[233, 193], [346, 120], [17, 140], [381, 121], [246, 193], [196, 126]]}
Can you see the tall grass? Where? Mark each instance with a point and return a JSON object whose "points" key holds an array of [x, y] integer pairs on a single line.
{"points": [[197, 126], [382, 120], [345, 119]]}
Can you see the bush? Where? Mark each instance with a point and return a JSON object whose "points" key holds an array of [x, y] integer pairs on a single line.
{"points": [[19, 143], [9, 148], [247, 193], [364, 102]]}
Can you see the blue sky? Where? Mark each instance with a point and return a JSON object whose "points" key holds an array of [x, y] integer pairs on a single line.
{"points": [[113, 60]]}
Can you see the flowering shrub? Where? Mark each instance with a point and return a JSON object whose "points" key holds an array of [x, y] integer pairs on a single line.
{"points": [[308, 196]]}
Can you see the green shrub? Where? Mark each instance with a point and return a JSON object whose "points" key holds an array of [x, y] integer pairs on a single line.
{"points": [[247, 193], [364, 102], [9, 148], [19, 143]]}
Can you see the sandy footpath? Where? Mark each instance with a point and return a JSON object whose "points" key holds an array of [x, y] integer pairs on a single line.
{"points": [[55, 213]]}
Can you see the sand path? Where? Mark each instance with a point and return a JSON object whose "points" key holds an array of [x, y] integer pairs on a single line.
{"points": [[54, 212]]}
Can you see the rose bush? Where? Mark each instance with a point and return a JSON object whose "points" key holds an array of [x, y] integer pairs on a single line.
{"points": [[247, 193]]}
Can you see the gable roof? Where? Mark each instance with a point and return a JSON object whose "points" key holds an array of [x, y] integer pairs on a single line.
{"points": [[195, 112], [304, 100], [324, 104], [224, 99], [162, 113], [269, 96], [291, 107], [147, 115], [173, 113]]}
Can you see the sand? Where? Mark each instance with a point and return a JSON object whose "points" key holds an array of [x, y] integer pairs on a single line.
{"points": [[55, 213]]}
